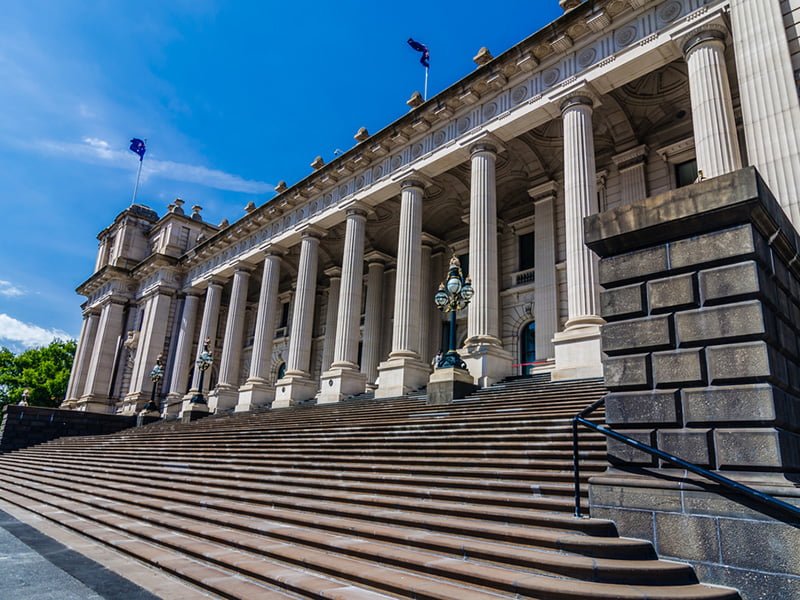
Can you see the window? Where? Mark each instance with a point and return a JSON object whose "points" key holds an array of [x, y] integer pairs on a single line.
{"points": [[526, 252], [527, 347], [685, 173], [284, 315]]}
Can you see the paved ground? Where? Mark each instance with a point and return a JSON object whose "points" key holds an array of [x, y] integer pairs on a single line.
{"points": [[36, 567]]}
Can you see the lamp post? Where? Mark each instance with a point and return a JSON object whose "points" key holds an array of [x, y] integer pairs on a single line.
{"points": [[203, 363], [156, 375], [453, 295]]}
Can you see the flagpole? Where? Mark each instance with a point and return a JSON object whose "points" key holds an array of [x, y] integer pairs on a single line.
{"points": [[138, 174], [425, 95]]}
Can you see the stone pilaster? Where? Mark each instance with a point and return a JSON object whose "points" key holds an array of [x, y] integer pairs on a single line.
{"points": [[633, 181], [331, 315], [345, 377], [404, 371], [183, 354], [297, 384], [545, 295], [373, 319], [485, 357], [225, 396], [427, 306], [715, 141], [96, 393], [83, 354], [577, 348], [257, 390], [769, 98]]}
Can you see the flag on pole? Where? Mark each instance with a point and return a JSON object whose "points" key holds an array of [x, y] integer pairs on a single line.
{"points": [[138, 146], [426, 56]]}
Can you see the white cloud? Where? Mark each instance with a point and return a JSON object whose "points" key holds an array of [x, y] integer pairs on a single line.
{"points": [[28, 335], [97, 151], [10, 290]]}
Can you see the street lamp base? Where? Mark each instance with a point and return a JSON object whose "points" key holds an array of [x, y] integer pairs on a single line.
{"points": [[451, 360], [448, 384]]}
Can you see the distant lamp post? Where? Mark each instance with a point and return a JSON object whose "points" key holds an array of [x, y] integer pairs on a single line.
{"points": [[453, 295], [203, 363], [156, 375]]}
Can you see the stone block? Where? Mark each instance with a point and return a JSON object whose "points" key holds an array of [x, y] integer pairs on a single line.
{"points": [[674, 368], [751, 585], [642, 264], [708, 325], [672, 293], [688, 537], [639, 408], [730, 404], [756, 448], [760, 546], [630, 523], [734, 282], [621, 302], [733, 363], [627, 372], [738, 242], [620, 453], [692, 445], [625, 497], [638, 335]]}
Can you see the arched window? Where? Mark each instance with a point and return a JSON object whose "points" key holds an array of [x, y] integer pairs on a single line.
{"points": [[527, 347], [281, 370]]}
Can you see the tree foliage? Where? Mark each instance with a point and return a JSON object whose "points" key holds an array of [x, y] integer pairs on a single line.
{"points": [[44, 371]]}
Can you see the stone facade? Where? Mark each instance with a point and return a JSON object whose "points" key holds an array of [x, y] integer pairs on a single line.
{"points": [[325, 290], [702, 298]]}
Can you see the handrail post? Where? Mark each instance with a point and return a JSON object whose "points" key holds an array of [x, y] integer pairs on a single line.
{"points": [[576, 466]]}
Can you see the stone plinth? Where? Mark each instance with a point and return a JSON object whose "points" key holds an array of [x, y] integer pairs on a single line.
{"points": [[339, 383], [401, 375], [446, 385], [293, 389], [702, 302], [255, 394]]}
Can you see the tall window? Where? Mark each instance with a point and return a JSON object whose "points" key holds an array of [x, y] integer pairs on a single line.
{"points": [[685, 172], [528, 347], [526, 255]]}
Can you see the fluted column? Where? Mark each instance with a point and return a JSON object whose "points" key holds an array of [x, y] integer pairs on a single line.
{"points": [[183, 353], [404, 371], [331, 315], [769, 98], [373, 319], [426, 302], [716, 145], [83, 354], [545, 295], [577, 348], [96, 393], [257, 390], [344, 378], [208, 328], [633, 181], [227, 392], [297, 384], [151, 344]]}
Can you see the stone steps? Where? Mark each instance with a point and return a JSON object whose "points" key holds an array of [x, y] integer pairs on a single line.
{"points": [[363, 499]]}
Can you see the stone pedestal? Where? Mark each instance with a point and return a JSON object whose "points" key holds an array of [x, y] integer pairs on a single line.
{"points": [[401, 375], [487, 363], [192, 412], [293, 389], [223, 398], [446, 385], [578, 353], [338, 383], [255, 394]]}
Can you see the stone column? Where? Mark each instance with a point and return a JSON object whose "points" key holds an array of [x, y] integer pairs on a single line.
{"points": [[208, 330], [577, 348], [485, 357], [715, 142], [345, 377], [183, 354], [257, 390], [404, 371], [96, 393], [225, 396], [633, 181], [331, 315], [83, 353], [426, 299], [545, 294], [373, 319], [438, 272], [151, 344], [769, 98], [297, 384]]}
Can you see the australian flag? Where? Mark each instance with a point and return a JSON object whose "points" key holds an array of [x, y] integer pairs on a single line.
{"points": [[426, 56], [137, 146]]}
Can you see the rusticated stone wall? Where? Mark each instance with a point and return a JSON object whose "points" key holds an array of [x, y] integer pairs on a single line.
{"points": [[702, 302]]}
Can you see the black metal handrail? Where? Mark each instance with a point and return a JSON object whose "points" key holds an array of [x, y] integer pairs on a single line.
{"points": [[751, 493]]}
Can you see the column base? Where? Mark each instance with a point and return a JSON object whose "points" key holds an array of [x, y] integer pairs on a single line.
{"points": [[223, 398], [69, 404], [256, 393], [192, 411], [293, 389], [400, 375], [486, 360], [132, 404], [94, 404], [578, 352], [172, 404], [340, 382], [446, 385]]}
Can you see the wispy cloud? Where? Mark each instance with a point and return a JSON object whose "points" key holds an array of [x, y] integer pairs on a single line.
{"points": [[26, 334], [98, 151], [10, 290]]}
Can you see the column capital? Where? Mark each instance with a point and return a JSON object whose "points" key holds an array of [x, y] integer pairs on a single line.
{"points": [[430, 240], [333, 272], [543, 191], [271, 249], [578, 99], [313, 232], [217, 281], [357, 207], [630, 158], [243, 267], [376, 256], [710, 33]]}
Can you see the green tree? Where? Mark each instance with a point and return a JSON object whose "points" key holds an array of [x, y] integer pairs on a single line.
{"points": [[44, 371]]}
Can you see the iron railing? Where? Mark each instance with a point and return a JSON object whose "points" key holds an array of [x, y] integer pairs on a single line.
{"points": [[729, 484]]}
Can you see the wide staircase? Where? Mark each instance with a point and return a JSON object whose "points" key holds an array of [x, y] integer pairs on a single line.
{"points": [[360, 500]]}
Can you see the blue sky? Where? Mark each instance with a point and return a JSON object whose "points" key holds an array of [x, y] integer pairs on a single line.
{"points": [[231, 96]]}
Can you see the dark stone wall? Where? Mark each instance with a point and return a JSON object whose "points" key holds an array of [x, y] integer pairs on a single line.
{"points": [[24, 426], [701, 294]]}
